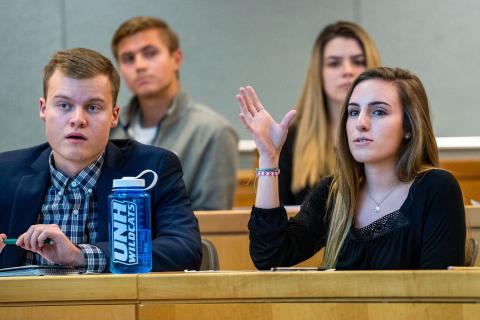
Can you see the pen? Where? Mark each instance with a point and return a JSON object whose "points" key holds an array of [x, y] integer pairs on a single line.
{"points": [[300, 269], [14, 241]]}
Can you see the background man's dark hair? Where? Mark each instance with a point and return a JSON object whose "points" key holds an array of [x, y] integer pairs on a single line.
{"points": [[137, 24]]}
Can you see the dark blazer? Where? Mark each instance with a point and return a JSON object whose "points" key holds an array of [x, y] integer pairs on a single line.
{"points": [[25, 177]]}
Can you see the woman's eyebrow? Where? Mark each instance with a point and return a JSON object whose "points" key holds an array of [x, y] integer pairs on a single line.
{"points": [[375, 103]]}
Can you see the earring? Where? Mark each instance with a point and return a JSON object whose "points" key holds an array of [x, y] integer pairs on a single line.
{"points": [[407, 135]]}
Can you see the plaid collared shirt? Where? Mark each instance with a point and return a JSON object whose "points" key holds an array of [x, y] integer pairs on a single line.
{"points": [[71, 203]]}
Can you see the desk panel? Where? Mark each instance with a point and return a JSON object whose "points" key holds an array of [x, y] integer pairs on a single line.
{"points": [[71, 312], [311, 295], [467, 172], [406, 286], [310, 311], [68, 288], [69, 297], [250, 295]]}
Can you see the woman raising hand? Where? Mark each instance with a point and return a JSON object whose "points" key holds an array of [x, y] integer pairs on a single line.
{"points": [[386, 206], [269, 137]]}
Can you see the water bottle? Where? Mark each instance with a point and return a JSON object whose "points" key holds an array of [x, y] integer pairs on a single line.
{"points": [[130, 225]]}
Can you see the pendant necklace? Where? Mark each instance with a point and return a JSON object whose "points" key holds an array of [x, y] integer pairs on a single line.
{"points": [[378, 203]]}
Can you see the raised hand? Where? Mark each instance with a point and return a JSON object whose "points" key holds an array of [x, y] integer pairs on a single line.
{"points": [[62, 251], [269, 135]]}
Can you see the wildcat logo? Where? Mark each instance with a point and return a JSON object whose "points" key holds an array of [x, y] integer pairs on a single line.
{"points": [[125, 246]]}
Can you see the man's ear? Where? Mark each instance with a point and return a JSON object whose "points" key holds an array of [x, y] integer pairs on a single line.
{"points": [[43, 108], [178, 58], [116, 112]]}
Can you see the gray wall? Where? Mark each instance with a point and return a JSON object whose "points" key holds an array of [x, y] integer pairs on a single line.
{"points": [[226, 44]]}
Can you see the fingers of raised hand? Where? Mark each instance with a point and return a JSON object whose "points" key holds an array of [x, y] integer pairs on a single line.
{"points": [[249, 102], [255, 101], [288, 119], [245, 121], [246, 115]]}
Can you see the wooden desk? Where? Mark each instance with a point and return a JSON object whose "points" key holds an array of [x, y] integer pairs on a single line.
{"points": [[311, 295], [229, 233], [244, 196], [246, 295], [69, 297], [467, 172]]}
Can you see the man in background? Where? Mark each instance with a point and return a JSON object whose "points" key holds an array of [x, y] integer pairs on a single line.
{"points": [[161, 114]]}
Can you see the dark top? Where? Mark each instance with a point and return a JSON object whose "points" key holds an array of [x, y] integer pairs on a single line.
{"points": [[287, 197], [427, 232], [24, 179]]}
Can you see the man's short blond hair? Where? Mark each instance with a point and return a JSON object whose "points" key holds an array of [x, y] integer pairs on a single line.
{"points": [[81, 63]]}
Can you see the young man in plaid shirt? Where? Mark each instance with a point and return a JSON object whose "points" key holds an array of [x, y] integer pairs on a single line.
{"points": [[58, 190]]}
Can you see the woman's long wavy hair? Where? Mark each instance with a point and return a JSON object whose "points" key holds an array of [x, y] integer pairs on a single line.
{"points": [[416, 155], [313, 147]]}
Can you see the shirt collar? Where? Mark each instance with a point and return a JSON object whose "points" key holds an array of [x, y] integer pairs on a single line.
{"points": [[85, 179], [175, 109]]}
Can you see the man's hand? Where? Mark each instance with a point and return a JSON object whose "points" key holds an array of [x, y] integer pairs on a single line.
{"points": [[3, 236], [61, 251]]}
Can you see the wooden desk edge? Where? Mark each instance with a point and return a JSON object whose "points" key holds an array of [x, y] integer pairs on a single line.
{"points": [[437, 284], [69, 288]]}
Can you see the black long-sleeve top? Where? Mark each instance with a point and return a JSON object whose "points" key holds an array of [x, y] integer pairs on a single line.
{"points": [[287, 196], [427, 232]]}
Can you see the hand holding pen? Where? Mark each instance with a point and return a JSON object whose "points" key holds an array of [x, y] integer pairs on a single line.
{"points": [[49, 241], [4, 241], [3, 236]]}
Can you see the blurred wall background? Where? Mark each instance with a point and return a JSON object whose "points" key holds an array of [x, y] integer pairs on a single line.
{"points": [[229, 43]]}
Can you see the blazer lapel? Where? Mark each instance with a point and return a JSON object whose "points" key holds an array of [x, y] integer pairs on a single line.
{"points": [[110, 170], [27, 204]]}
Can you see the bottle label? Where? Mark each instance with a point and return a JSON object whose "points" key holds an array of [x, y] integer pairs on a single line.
{"points": [[125, 246]]}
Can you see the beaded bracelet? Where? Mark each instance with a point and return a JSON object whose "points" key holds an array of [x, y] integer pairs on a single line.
{"points": [[263, 172], [274, 172]]}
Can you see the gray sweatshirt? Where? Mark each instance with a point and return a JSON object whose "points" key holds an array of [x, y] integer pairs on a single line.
{"points": [[206, 144]]}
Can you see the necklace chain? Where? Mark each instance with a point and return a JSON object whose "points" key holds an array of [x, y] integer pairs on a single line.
{"points": [[378, 203]]}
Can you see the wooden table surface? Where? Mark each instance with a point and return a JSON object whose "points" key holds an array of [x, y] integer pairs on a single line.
{"points": [[349, 295]]}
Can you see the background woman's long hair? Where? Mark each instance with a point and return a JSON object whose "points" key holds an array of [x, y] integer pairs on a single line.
{"points": [[416, 155], [313, 147]]}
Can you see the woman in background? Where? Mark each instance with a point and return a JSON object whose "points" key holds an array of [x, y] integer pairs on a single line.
{"points": [[386, 206], [341, 52]]}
